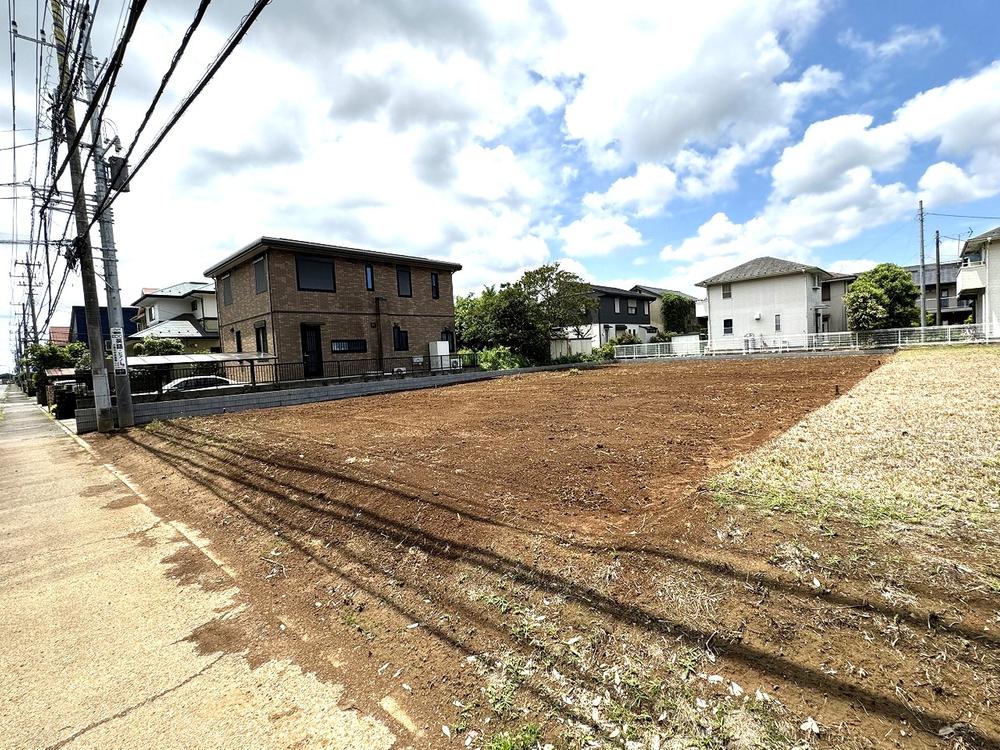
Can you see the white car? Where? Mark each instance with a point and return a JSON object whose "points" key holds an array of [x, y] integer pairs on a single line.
{"points": [[197, 383]]}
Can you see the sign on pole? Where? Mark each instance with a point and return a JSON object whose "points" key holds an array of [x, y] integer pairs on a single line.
{"points": [[118, 351]]}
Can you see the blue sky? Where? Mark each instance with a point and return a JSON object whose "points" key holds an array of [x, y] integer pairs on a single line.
{"points": [[631, 141]]}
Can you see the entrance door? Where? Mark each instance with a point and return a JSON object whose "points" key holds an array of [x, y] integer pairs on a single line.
{"points": [[312, 351]]}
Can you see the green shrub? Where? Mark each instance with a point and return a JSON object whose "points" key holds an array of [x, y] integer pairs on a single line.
{"points": [[501, 358], [572, 359]]}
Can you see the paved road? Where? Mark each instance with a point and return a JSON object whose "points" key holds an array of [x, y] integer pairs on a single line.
{"points": [[97, 648]]}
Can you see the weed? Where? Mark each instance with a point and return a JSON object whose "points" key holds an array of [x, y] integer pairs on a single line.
{"points": [[527, 737]]}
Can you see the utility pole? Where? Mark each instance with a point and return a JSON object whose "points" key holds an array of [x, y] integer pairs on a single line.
{"points": [[29, 266], [116, 322], [937, 280], [84, 251], [923, 288]]}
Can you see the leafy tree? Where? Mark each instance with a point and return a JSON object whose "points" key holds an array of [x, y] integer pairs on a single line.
{"points": [[677, 312], [49, 356], [563, 300], [525, 315], [152, 346], [866, 305], [900, 292]]}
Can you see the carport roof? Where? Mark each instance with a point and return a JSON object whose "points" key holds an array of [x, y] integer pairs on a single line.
{"points": [[188, 359]]}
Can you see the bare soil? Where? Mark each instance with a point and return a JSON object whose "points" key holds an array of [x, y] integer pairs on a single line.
{"points": [[541, 550]]}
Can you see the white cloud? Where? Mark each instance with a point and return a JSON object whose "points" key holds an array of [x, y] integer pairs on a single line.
{"points": [[656, 78], [643, 194], [574, 266], [831, 147], [903, 40], [945, 184], [598, 234]]}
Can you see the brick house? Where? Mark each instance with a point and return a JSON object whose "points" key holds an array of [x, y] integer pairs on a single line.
{"points": [[318, 304]]}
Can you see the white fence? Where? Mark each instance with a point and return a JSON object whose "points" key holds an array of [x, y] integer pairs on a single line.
{"points": [[893, 338]]}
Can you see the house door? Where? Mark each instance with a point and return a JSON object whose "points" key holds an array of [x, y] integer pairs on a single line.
{"points": [[312, 351]]}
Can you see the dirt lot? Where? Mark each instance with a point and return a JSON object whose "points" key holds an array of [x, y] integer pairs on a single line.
{"points": [[540, 556]]}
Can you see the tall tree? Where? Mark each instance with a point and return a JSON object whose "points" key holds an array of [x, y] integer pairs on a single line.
{"points": [[866, 306], [677, 312], [901, 294]]}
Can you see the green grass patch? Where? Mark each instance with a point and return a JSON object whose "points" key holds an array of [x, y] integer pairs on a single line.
{"points": [[527, 737]]}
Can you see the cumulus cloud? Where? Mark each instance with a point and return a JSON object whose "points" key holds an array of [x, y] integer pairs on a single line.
{"points": [[598, 234], [692, 95], [643, 194]]}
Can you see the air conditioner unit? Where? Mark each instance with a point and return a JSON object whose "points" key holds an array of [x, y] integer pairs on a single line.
{"points": [[456, 363]]}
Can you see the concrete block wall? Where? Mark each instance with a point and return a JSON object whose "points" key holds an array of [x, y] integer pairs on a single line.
{"points": [[86, 420]]}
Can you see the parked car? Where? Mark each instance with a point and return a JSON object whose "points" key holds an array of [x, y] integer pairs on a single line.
{"points": [[198, 383]]}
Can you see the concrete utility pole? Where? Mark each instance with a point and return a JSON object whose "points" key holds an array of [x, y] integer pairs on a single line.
{"points": [[123, 388], [937, 280], [84, 251], [923, 289], [29, 269]]}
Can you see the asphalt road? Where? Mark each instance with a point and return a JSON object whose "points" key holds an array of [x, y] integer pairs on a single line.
{"points": [[97, 647]]}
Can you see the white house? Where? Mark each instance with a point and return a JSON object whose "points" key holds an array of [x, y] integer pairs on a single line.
{"points": [[763, 302], [979, 278], [185, 311]]}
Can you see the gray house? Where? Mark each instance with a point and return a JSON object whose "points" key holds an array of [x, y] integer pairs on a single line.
{"points": [[618, 311], [955, 309]]}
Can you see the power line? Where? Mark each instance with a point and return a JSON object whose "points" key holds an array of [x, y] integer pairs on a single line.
{"points": [[26, 143], [963, 216], [224, 53], [107, 82], [199, 15]]}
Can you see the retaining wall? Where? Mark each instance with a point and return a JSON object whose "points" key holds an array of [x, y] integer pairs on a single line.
{"points": [[86, 419]]}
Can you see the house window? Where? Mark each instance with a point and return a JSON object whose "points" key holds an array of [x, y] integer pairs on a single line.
{"points": [[727, 327], [369, 277], [435, 287], [315, 274], [260, 274], [826, 293], [633, 306], [260, 336], [618, 305], [194, 305], [645, 307], [400, 339], [239, 342], [340, 346], [227, 290], [777, 323], [403, 286], [152, 312], [727, 291]]}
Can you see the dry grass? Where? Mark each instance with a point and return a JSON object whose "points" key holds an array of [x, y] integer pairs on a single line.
{"points": [[914, 444]]}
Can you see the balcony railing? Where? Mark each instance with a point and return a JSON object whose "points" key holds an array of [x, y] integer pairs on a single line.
{"points": [[951, 304]]}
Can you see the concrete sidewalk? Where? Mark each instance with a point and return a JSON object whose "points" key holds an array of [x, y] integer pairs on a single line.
{"points": [[97, 621]]}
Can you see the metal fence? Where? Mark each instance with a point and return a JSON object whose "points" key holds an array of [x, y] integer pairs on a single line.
{"points": [[893, 338], [161, 382]]}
